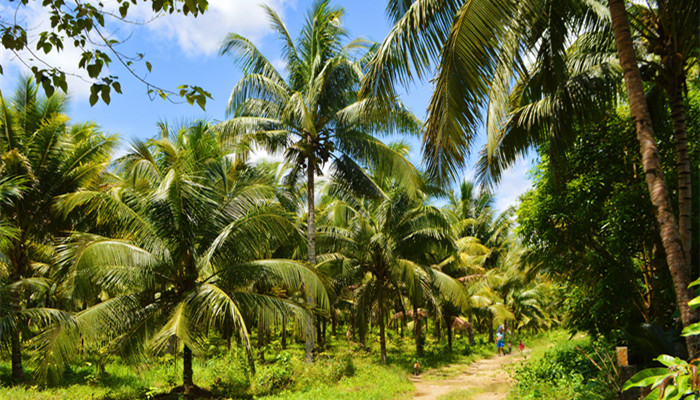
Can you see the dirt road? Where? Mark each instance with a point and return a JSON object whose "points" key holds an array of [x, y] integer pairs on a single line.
{"points": [[485, 379]]}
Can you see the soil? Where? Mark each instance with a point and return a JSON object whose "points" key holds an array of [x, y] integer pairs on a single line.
{"points": [[486, 379]]}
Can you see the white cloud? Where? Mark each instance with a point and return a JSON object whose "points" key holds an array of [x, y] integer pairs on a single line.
{"points": [[514, 182], [202, 35]]}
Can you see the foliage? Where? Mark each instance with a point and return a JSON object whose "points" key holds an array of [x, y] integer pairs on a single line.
{"points": [[42, 156], [587, 228], [86, 26], [383, 249], [175, 258], [678, 380], [478, 48], [562, 372], [313, 113]]}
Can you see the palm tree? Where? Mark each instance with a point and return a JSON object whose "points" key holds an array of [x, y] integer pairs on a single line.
{"points": [[314, 114], [483, 238], [479, 47], [48, 157], [669, 32], [668, 226], [187, 236], [381, 247]]}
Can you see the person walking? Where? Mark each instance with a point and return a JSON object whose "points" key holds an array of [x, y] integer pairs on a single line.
{"points": [[499, 341]]}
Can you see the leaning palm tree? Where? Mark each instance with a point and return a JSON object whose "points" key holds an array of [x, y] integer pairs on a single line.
{"points": [[314, 113], [479, 47], [184, 241], [49, 157]]}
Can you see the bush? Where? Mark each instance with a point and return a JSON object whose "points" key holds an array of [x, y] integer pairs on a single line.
{"points": [[562, 373], [275, 377], [230, 373]]}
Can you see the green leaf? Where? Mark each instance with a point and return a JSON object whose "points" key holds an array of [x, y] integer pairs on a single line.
{"points": [[93, 70], [148, 66], [694, 303], [201, 101], [654, 395], [692, 329], [48, 87], [670, 361], [93, 98], [105, 94], [646, 378]]}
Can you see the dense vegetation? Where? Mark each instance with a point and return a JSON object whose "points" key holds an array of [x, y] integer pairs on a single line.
{"points": [[183, 268]]}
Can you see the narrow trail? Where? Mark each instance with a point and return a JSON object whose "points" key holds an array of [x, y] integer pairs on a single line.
{"points": [[486, 379]]}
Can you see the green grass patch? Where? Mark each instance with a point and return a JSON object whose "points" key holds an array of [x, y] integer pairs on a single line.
{"points": [[341, 371]]}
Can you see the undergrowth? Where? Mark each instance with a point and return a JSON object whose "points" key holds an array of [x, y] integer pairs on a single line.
{"points": [[562, 372]]}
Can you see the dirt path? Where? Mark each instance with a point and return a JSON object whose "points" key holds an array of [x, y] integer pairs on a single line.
{"points": [[486, 379]]}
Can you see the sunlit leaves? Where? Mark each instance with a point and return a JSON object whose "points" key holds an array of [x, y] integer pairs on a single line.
{"points": [[82, 25]]}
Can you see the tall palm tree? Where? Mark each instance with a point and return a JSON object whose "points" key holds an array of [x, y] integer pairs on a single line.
{"points": [[479, 47], [668, 226], [185, 240], [542, 105], [49, 157], [314, 114], [670, 33]]}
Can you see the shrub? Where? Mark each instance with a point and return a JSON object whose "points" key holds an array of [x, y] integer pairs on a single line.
{"points": [[230, 373], [275, 377], [561, 373]]}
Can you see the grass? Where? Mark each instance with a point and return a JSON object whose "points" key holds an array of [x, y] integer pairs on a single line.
{"points": [[341, 371]]}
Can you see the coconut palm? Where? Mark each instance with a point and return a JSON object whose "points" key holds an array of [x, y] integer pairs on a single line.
{"points": [[479, 47], [482, 241], [668, 226], [669, 33], [539, 110], [382, 248], [49, 157], [186, 237], [314, 114]]}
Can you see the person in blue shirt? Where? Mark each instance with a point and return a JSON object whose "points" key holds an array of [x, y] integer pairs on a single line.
{"points": [[499, 341]]}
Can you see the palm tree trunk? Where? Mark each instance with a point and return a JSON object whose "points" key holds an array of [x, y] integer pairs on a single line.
{"points": [[449, 334], [284, 333], [470, 332], [334, 325], [187, 369], [382, 337], [675, 257], [319, 332], [311, 225], [17, 369], [261, 340], [490, 328], [417, 331], [685, 204]]}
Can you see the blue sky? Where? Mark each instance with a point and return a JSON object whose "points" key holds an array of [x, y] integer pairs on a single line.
{"points": [[182, 50]]}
